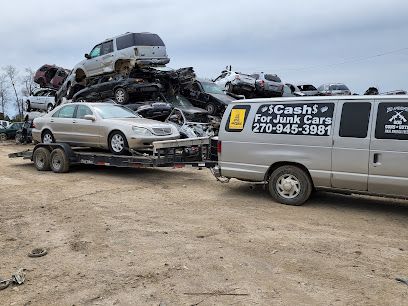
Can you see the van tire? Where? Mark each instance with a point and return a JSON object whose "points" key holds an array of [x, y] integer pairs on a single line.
{"points": [[290, 185]]}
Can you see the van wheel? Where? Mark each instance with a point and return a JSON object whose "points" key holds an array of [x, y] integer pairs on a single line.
{"points": [[290, 185], [41, 159], [59, 161]]}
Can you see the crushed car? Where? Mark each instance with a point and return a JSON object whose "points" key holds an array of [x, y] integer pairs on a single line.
{"points": [[267, 85], [11, 131], [117, 87], [50, 76], [191, 121], [209, 96], [121, 54], [236, 82], [41, 100]]}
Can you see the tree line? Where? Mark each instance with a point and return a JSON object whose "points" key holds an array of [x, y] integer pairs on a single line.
{"points": [[15, 84]]}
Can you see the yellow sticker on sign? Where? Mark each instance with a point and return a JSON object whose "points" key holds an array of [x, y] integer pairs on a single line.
{"points": [[237, 119]]}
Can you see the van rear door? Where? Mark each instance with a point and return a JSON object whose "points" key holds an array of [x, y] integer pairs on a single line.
{"points": [[351, 145], [388, 170]]}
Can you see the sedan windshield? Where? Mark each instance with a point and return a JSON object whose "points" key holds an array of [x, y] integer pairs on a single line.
{"points": [[212, 88], [114, 111]]}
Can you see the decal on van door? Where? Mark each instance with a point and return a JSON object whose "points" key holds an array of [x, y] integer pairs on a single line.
{"points": [[237, 118], [313, 119], [392, 121]]}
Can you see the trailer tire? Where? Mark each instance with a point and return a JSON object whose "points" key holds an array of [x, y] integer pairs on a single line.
{"points": [[59, 161], [41, 159], [290, 185]]}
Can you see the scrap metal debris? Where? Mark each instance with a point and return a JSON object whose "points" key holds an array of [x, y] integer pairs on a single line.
{"points": [[17, 278], [403, 280], [38, 252]]}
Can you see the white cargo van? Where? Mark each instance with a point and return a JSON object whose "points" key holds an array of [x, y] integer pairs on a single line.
{"points": [[354, 144]]}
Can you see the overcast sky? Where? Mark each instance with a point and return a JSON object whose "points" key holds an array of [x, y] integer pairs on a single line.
{"points": [[314, 41]]}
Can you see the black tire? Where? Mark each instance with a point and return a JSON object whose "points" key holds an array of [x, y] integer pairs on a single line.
{"points": [[3, 137], [59, 162], [47, 137], [229, 87], [121, 95], [211, 109], [117, 149], [28, 106], [291, 177], [41, 159]]}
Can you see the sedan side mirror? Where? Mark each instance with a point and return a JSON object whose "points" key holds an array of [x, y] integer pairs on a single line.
{"points": [[87, 56], [90, 117]]}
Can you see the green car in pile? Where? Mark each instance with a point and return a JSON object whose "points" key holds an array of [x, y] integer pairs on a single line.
{"points": [[11, 131]]}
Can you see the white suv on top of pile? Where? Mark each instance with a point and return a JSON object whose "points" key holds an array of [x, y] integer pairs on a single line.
{"points": [[121, 53]]}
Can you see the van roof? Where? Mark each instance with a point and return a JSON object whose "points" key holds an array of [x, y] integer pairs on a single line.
{"points": [[322, 99]]}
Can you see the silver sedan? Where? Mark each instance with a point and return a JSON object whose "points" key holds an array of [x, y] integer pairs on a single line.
{"points": [[101, 125]]}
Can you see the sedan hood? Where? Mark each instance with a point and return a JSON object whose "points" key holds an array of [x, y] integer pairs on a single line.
{"points": [[223, 98], [139, 122]]}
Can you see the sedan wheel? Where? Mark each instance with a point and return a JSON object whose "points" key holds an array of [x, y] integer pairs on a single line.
{"points": [[121, 96], [118, 143], [210, 108], [3, 137], [47, 138]]}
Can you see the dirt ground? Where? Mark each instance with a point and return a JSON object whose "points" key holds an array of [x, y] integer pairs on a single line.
{"points": [[178, 237]]}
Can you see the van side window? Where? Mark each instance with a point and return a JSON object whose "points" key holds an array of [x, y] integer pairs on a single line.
{"points": [[354, 119], [392, 121]]}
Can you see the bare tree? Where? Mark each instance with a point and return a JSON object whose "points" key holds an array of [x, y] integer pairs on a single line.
{"points": [[4, 93], [27, 81], [12, 75]]}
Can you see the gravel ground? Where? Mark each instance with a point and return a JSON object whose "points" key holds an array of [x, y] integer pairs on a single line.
{"points": [[178, 237]]}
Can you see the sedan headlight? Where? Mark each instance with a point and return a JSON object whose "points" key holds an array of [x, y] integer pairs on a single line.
{"points": [[141, 131]]}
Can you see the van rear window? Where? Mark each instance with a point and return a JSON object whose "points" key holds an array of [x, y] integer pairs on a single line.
{"points": [[392, 121], [314, 119]]}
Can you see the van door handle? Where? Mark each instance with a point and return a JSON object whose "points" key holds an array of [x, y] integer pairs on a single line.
{"points": [[376, 159]]}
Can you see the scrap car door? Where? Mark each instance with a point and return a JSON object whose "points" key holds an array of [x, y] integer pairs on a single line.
{"points": [[93, 64], [107, 58], [351, 145], [388, 171]]}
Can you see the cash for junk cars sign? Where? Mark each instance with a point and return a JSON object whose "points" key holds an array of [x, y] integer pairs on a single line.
{"points": [[314, 119]]}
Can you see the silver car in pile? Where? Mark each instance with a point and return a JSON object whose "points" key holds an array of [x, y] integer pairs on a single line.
{"points": [[334, 89], [101, 125]]}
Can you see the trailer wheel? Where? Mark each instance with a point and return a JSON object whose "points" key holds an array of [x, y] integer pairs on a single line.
{"points": [[41, 159], [290, 185], [59, 161]]}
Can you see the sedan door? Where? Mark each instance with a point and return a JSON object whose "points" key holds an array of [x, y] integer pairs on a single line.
{"points": [[61, 123], [351, 146], [388, 171], [85, 132]]}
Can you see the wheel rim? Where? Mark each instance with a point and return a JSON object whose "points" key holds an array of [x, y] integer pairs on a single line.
{"points": [[40, 160], [117, 143], [120, 95], [47, 138], [210, 108], [288, 186], [56, 162]]}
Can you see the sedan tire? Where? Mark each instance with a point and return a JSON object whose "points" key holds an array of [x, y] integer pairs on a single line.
{"points": [[211, 109], [118, 144], [3, 137], [47, 137]]}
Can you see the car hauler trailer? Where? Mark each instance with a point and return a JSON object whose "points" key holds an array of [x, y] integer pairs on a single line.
{"points": [[58, 157]]}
